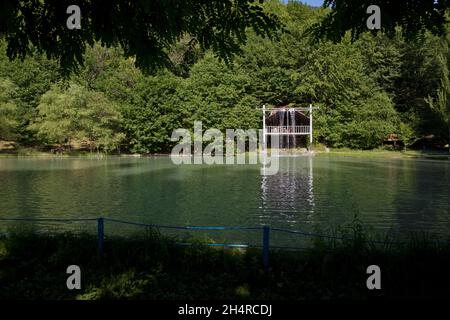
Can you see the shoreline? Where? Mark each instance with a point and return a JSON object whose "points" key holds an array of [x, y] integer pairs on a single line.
{"points": [[376, 153], [409, 154]]}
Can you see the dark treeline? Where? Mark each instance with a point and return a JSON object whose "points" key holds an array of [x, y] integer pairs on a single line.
{"points": [[365, 90]]}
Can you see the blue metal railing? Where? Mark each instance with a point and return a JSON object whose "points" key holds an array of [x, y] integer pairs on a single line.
{"points": [[266, 230]]}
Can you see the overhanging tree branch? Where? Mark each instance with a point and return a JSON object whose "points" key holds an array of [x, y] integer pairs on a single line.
{"points": [[413, 16], [145, 29]]}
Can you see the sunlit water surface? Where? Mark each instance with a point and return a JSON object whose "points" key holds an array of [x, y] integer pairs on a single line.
{"points": [[309, 193]]}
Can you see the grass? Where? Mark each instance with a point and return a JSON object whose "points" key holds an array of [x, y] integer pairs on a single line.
{"points": [[388, 154], [319, 149], [30, 152], [152, 266]]}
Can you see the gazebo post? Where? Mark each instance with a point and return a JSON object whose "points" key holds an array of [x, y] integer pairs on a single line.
{"points": [[264, 129], [310, 126]]}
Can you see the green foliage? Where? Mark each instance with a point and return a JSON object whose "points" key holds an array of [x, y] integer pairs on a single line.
{"points": [[406, 134], [439, 101], [414, 17], [32, 77], [365, 88], [77, 113], [146, 29], [8, 110], [422, 88], [153, 113], [213, 94]]}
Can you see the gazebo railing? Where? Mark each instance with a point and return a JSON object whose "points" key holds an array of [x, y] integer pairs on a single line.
{"points": [[288, 130]]}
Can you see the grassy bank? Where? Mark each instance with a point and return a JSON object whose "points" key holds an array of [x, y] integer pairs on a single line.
{"points": [[377, 153], [31, 152], [388, 154], [151, 266]]}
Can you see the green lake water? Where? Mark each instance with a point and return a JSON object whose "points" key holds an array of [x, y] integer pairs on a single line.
{"points": [[308, 193]]}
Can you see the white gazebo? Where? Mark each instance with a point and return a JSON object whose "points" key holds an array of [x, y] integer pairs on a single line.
{"points": [[287, 126]]}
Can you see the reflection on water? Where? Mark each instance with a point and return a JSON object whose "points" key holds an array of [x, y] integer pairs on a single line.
{"points": [[288, 196], [307, 193]]}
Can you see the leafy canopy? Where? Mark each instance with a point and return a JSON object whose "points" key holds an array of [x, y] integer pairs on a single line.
{"points": [[8, 109], [146, 29], [78, 114], [413, 16]]}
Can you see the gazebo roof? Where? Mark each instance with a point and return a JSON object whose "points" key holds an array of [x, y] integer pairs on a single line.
{"points": [[294, 106]]}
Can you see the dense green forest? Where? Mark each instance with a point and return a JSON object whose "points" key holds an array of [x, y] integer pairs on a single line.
{"points": [[365, 90]]}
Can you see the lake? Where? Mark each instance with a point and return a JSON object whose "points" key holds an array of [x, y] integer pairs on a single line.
{"points": [[309, 193]]}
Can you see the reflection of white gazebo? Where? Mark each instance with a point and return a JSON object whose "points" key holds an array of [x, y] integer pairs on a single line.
{"points": [[289, 196], [287, 124]]}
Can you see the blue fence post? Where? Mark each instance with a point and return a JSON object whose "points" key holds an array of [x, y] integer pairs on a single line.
{"points": [[266, 244], [100, 234]]}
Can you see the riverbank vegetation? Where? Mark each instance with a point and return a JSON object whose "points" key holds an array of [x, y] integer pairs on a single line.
{"points": [[152, 266], [366, 91]]}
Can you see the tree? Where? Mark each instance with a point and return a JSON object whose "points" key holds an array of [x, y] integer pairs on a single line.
{"points": [[153, 112], [32, 77], [439, 103], [213, 93], [414, 17], [78, 114], [8, 110], [146, 29], [406, 134], [422, 88]]}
